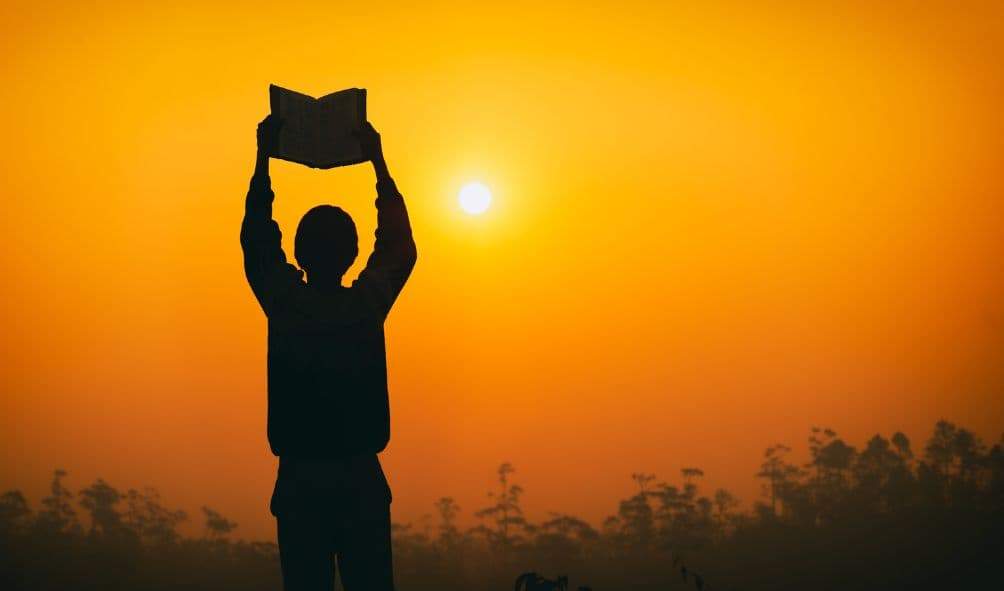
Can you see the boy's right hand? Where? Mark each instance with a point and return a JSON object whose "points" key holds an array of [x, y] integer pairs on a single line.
{"points": [[268, 135]]}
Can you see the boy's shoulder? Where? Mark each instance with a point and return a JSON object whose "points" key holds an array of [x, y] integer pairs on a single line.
{"points": [[345, 306]]}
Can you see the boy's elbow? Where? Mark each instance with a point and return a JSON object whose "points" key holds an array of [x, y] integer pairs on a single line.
{"points": [[411, 254], [245, 235]]}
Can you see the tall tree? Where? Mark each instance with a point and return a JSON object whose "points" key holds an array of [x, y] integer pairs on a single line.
{"points": [[725, 504], [101, 500], [778, 473], [58, 514], [448, 509], [506, 513]]}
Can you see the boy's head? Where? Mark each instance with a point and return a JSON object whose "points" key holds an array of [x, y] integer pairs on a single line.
{"points": [[326, 242]]}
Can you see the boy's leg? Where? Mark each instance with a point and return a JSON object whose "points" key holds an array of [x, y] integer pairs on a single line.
{"points": [[364, 556], [305, 554]]}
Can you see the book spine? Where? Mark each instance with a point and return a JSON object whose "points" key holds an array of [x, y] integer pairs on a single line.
{"points": [[273, 99]]}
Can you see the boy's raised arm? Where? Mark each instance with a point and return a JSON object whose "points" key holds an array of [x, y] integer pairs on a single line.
{"points": [[394, 253], [265, 264]]}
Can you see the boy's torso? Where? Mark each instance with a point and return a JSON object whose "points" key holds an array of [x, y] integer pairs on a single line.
{"points": [[327, 376]]}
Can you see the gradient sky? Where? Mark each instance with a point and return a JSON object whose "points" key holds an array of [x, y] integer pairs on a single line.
{"points": [[714, 227]]}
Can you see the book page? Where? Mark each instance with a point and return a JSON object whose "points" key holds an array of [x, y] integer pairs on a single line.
{"points": [[341, 115], [300, 116]]}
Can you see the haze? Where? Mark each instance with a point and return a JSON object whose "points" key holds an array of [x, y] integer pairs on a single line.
{"points": [[712, 227]]}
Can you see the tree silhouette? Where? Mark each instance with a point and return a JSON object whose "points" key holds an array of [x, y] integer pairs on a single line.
{"points": [[15, 513], [217, 526], [635, 516], [725, 504], [506, 513], [58, 514], [448, 509], [642, 480], [880, 472], [689, 474], [100, 500], [777, 472], [878, 518], [830, 467], [154, 523]]}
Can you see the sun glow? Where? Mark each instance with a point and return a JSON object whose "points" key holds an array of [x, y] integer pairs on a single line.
{"points": [[475, 198]]}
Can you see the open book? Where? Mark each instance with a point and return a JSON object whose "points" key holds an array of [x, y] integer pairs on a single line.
{"points": [[319, 132]]}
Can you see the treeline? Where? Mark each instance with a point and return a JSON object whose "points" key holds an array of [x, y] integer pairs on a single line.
{"points": [[882, 516]]}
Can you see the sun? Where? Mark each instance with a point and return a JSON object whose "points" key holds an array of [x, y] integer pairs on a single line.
{"points": [[475, 198]]}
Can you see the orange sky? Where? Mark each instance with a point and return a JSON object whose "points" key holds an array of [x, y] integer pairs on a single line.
{"points": [[714, 226]]}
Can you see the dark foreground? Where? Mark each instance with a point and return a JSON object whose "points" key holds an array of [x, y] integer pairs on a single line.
{"points": [[879, 516]]}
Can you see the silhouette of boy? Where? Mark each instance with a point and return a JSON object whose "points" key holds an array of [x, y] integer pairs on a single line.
{"points": [[328, 412]]}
